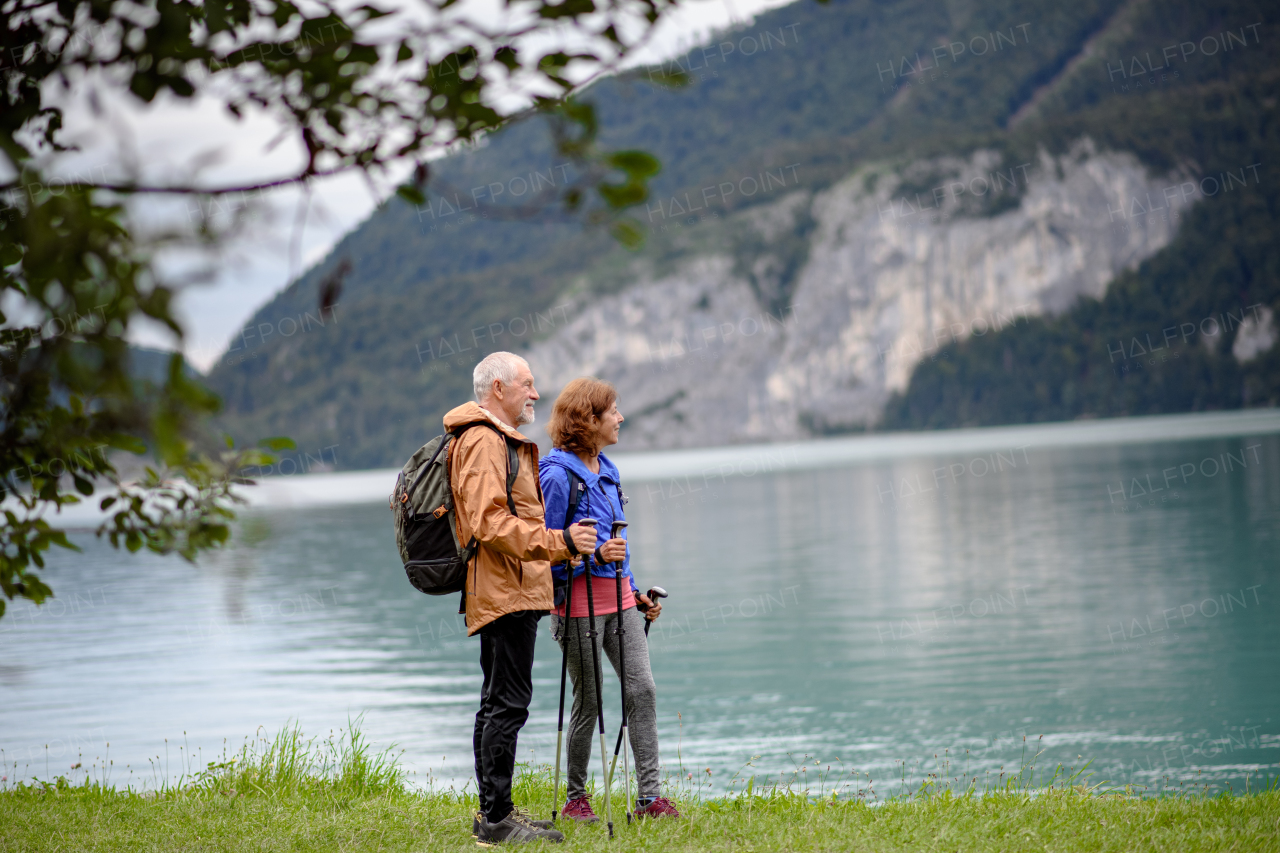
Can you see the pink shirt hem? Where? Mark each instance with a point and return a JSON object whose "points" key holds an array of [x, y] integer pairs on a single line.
{"points": [[604, 594]]}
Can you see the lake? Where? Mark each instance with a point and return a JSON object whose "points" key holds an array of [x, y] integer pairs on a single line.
{"points": [[1107, 590]]}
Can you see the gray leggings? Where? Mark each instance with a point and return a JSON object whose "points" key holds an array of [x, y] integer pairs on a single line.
{"points": [[642, 717]]}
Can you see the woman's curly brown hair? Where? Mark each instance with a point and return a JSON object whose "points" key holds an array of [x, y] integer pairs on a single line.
{"points": [[570, 425]]}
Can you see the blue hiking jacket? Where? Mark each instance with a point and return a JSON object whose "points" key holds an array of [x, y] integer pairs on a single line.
{"points": [[599, 501]]}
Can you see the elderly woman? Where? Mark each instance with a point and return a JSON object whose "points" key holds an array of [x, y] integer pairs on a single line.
{"points": [[584, 421]]}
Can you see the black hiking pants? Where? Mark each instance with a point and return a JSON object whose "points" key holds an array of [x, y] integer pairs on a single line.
{"points": [[506, 658]]}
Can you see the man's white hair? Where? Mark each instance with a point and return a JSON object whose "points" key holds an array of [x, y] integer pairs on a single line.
{"points": [[495, 365]]}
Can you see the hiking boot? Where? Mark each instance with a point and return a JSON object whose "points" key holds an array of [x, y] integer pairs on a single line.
{"points": [[515, 828], [540, 824], [659, 807], [579, 810], [479, 818]]}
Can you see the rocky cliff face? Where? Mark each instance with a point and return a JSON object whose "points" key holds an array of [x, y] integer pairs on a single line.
{"points": [[775, 341]]}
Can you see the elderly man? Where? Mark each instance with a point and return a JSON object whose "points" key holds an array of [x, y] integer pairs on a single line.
{"points": [[508, 586]]}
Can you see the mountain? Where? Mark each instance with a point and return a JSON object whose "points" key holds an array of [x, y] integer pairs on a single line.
{"points": [[870, 215]]}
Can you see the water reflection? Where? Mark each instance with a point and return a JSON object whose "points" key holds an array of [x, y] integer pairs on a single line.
{"points": [[867, 615]]}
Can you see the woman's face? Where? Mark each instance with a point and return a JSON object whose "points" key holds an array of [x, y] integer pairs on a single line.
{"points": [[607, 427]]}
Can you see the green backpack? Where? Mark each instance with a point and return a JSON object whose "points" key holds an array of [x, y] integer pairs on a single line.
{"points": [[422, 509]]}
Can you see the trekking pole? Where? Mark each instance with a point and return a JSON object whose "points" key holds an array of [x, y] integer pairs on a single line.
{"points": [[564, 669], [596, 676], [621, 631], [655, 593]]}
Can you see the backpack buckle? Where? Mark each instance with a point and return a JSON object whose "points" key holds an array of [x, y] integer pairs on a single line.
{"points": [[441, 511]]}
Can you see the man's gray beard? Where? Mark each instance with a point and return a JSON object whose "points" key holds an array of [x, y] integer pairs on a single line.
{"points": [[527, 416]]}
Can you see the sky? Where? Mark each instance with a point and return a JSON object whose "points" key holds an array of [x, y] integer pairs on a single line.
{"points": [[284, 232]]}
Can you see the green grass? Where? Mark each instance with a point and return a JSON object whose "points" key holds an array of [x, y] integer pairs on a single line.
{"points": [[292, 794]]}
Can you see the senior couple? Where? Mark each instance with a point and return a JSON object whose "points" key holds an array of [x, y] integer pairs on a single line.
{"points": [[526, 552]]}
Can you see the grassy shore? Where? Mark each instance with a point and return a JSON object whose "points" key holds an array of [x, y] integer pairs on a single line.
{"points": [[294, 795]]}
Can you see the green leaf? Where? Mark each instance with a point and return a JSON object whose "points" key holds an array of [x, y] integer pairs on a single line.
{"points": [[507, 56], [638, 164], [624, 195], [180, 86], [279, 442], [133, 444], [255, 459], [10, 254], [143, 85], [582, 113], [567, 9], [411, 194], [628, 232], [668, 79]]}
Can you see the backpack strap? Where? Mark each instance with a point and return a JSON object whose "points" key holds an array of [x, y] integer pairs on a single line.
{"points": [[513, 468], [445, 441], [513, 458], [576, 490]]}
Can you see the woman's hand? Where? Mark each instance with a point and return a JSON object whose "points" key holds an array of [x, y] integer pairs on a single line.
{"points": [[614, 550], [655, 608]]}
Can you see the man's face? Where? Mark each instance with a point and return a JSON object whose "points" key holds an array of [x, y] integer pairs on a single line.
{"points": [[518, 398]]}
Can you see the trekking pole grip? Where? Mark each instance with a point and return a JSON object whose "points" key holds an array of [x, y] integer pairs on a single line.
{"points": [[655, 594]]}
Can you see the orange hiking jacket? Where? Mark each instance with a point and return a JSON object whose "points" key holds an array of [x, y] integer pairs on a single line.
{"points": [[511, 570]]}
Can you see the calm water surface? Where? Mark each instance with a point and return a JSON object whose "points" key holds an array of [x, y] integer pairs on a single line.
{"points": [[1108, 602]]}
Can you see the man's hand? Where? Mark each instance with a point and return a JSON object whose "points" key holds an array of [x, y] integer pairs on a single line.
{"points": [[655, 608], [614, 550], [584, 537]]}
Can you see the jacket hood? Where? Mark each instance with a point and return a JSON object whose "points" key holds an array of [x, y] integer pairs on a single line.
{"points": [[571, 462], [469, 413]]}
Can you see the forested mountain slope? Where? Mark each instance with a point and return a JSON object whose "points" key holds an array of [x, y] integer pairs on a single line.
{"points": [[820, 176]]}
